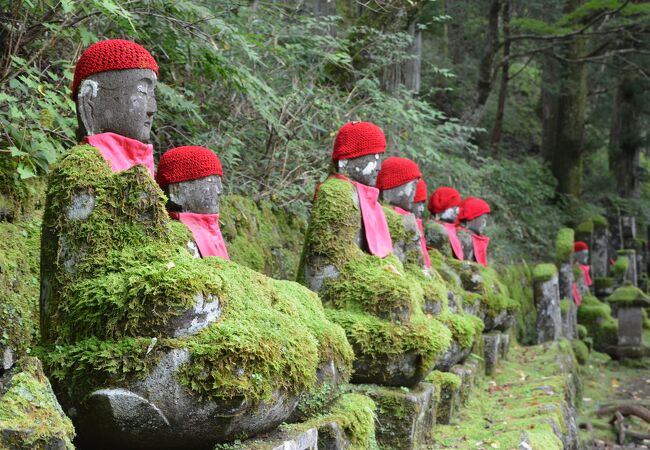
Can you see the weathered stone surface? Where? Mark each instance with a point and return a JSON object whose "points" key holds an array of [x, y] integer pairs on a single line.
{"points": [[504, 345], [569, 314], [465, 238], [599, 252], [492, 352], [448, 403], [393, 370], [454, 355], [332, 437], [30, 416], [404, 418], [630, 332], [547, 303], [282, 440], [566, 280]]}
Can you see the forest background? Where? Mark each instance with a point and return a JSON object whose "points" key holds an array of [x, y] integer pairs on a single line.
{"points": [[540, 107]]}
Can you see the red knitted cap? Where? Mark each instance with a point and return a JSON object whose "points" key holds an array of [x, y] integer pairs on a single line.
{"points": [[396, 171], [187, 163], [472, 207], [442, 199], [356, 139], [579, 246], [420, 192], [112, 54]]}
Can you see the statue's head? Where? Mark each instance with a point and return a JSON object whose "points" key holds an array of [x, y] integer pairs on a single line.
{"points": [[473, 214], [357, 151], [444, 204], [420, 199], [191, 179], [581, 250], [397, 181], [113, 87]]}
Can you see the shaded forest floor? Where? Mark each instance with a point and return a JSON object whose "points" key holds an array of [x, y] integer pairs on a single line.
{"points": [[607, 383]]}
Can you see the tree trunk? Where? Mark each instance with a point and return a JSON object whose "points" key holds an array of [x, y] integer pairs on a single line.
{"points": [[625, 138], [411, 70], [505, 76]]}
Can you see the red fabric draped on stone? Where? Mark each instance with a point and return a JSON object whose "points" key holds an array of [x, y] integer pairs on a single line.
{"points": [[372, 214], [121, 152], [450, 228], [576, 294], [206, 232], [480, 244], [585, 273]]}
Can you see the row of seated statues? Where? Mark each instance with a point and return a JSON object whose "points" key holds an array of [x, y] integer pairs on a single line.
{"points": [[157, 340]]}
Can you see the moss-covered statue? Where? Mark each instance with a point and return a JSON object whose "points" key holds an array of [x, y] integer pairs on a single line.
{"points": [[473, 217], [440, 233], [581, 258], [397, 181], [147, 346], [364, 286]]}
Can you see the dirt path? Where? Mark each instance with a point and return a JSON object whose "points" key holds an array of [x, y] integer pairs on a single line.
{"points": [[608, 383]]}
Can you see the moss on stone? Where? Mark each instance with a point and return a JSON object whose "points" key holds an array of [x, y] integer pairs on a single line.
{"points": [[442, 380], [601, 283], [581, 351], [619, 268], [495, 296], [464, 327], [582, 332], [437, 238], [564, 244], [596, 317], [565, 306], [133, 273], [599, 221], [19, 286], [30, 416], [544, 272], [586, 227], [262, 237], [628, 293], [519, 279], [395, 225]]}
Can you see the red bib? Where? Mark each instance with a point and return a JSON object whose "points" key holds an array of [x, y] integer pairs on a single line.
{"points": [[576, 295], [585, 273], [372, 214], [121, 152], [206, 233], [450, 228], [480, 248]]}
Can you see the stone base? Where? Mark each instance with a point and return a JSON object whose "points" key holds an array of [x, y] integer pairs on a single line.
{"points": [[491, 353], [285, 440], [504, 345], [632, 351], [468, 373], [405, 418]]}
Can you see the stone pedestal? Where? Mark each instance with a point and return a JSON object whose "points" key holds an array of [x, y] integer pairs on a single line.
{"points": [[628, 230], [630, 332], [504, 345], [491, 352], [599, 259], [547, 303], [448, 403], [569, 313], [603, 287], [405, 418], [566, 280], [468, 374], [631, 274]]}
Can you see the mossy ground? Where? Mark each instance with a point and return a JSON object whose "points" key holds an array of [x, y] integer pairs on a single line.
{"points": [[527, 392], [29, 413]]}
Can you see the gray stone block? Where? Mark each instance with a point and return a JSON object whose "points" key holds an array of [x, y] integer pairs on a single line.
{"points": [[547, 303], [491, 352]]}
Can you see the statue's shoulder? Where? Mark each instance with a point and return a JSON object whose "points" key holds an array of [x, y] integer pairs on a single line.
{"points": [[336, 193]]}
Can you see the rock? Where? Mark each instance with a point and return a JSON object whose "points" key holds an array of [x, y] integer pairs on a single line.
{"points": [[404, 418], [504, 345], [454, 355], [547, 303], [491, 352], [389, 370], [30, 416]]}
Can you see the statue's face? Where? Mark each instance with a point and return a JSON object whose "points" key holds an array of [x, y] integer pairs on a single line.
{"points": [[450, 214], [118, 101], [582, 257], [419, 209], [478, 224], [200, 196], [402, 195], [363, 169]]}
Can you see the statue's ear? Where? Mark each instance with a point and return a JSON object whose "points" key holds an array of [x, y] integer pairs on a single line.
{"points": [[85, 102]]}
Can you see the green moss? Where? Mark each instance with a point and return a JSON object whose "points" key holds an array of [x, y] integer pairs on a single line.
{"points": [[395, 225], [601, 283], [628, 293], [544, 272], [133, 274], [599, 222], [30, 415], [565, 306], [495, 296], [354, 414], [19, 284], [564, 244], [464, 327], [437, 238], [519, 279], [263, 238], [442, 380], [586, 227], [582, 332], [580, 351], [619, 268], [596, 317]]}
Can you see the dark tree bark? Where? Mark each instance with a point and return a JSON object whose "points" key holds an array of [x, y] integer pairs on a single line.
{"points": [[412, 68], [495, 138], [626, 138]]}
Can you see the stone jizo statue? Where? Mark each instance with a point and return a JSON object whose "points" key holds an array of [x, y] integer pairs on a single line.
{"points": [[473, 216], [441, 233], [420, 199], [191, 178]]}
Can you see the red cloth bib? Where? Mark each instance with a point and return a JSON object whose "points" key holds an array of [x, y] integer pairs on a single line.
{"points": [[480, 248], [423, 242], [576, 295], [121, 152], [206, 233], [374, 221], [585, 273], [450, 228]]}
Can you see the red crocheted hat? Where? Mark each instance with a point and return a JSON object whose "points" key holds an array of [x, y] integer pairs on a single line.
{"points": [[396, 171], [356, 139], [420, 192], [579, 246], [112, 54], [472, 207], [442, 199], [187, 163]]}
